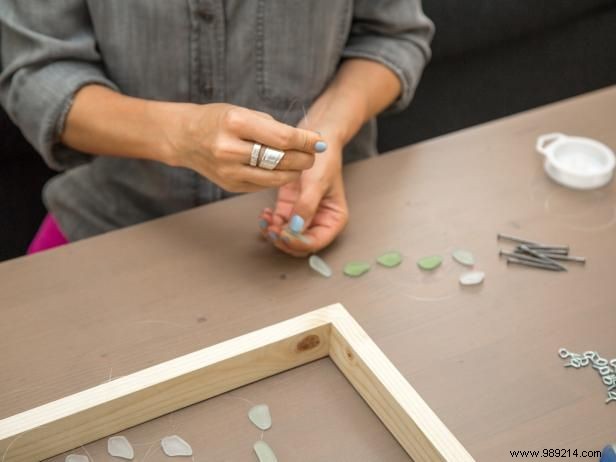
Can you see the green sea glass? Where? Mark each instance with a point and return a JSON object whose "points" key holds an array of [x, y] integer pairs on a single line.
{"points": [[77, 458], [264, 452], [430, 263], [174, 446], [356, 268], [464, 257], [260, 416], [319, 265], [119, 446], [472, 278], [390, 259]]}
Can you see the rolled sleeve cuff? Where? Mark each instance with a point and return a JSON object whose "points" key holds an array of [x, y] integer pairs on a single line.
{"points": [[406, 60], [42, 100]]}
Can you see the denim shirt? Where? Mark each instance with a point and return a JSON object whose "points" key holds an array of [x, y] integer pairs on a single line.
{"points": [[275, 56]]}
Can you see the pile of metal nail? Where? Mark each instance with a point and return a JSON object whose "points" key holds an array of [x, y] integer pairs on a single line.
{"points": [[543, 256], [605, 368]]}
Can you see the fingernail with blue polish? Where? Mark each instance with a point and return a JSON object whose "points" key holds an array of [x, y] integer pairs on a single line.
{"points": [[320, 146], [296, 224], [273, 236], [262, 224]]}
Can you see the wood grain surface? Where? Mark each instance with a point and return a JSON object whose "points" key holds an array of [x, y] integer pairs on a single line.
{"points": [[484, 358], [127, 401], [407, 416]]}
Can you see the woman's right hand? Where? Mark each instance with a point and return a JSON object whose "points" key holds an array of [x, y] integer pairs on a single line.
{"points": [[216, 141]]}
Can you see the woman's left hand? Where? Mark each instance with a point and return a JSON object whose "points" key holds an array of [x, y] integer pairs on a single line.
{"points": [[311, 212]]}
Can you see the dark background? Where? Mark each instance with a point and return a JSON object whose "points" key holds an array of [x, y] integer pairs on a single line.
{"points": [[491, 58]]}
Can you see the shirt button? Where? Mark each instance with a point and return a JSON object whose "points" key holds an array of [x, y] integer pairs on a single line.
{"points": [[206, 16], [208, 90]]}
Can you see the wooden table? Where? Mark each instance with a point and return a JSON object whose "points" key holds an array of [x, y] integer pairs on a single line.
{"points": [[485, 358]]}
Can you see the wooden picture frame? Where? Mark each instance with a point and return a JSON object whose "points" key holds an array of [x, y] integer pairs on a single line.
{"points": [[106, 409]]}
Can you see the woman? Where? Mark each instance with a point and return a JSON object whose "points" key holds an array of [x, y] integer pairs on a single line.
{"points": [[155, 106]]}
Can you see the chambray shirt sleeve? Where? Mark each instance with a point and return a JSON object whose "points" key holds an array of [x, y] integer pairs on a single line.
{"points": [[47, 53], [395, 33]]}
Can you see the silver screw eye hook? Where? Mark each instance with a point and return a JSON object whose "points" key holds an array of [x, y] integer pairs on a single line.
{"points": [[609, 380], [564, 353], [604, 370], [574, 362], [591, 355]]}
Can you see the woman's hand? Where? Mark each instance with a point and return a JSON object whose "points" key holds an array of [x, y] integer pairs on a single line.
{"points": [[216, 141], [310, 212]]}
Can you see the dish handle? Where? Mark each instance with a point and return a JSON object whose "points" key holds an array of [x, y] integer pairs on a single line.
{"points": [[544, 141]]}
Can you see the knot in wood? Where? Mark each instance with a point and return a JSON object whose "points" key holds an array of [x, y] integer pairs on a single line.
{"points": [[308, 343]]}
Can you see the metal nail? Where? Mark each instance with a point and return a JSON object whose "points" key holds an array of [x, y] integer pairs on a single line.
{"points": [[564, 249], [523, 256], [553, 252], [564, 257], [517, 261], [516, 239], [539, 249], [543, 257]]}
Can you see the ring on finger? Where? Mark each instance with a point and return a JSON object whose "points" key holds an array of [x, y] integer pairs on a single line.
{"points": [[254, 154], [271, 158]]}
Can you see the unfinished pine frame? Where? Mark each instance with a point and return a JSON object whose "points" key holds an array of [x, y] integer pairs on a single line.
{"points": [[106, 409]]}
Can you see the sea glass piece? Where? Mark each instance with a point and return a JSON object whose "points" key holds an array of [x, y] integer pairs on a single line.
{"points": [[174, 446], [472, 278], [319, 265], [76, 458], [464, 257], [260, 416], [390, 259], [264, 452], [430, 263], [356, 268], [119, 446]]}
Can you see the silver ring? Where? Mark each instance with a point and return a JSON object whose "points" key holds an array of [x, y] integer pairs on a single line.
{"points": [[271, 158], [254, 154]]}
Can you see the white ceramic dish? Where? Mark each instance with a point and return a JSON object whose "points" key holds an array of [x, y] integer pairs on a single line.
{"points": [[575, 162]]}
